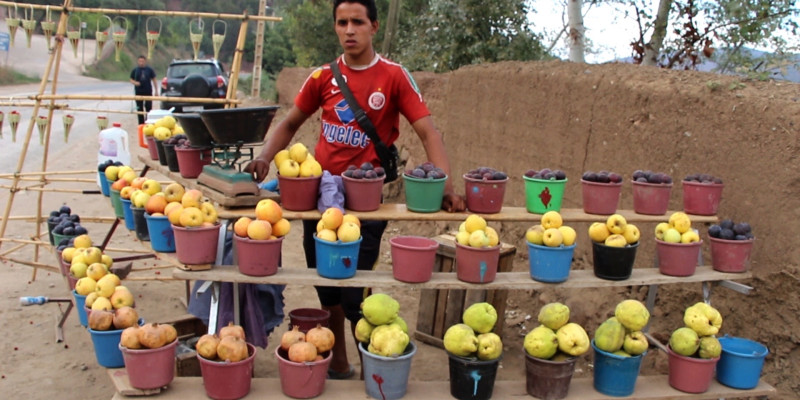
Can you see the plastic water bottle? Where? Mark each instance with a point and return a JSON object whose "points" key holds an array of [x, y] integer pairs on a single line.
{"points": [[113, 146], [32, 300]]}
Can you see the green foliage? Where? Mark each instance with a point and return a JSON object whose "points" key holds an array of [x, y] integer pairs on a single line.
{"points": [[268, 90], [311, 36], [9, 76]]}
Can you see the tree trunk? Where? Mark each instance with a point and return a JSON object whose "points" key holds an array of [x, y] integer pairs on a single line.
{"points": [[391, 27], [576, 31], [653, 48]]}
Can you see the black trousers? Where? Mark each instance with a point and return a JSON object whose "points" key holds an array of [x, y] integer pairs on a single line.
{"points": [[143, 105]]}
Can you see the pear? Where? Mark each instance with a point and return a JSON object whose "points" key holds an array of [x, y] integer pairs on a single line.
{"points": [[554, 315], [703, 319], [621, 353], [684, 341], [610, 335], [632, 314], [710, 347], [490, 346], [460, 340], [481, 317], [388, 341], [380, 309], [572, 339], [541, 342], [401, 323], [635, 343], [363, 330]]}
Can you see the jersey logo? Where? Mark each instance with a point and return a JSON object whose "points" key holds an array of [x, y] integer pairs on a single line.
{"points": [[344, 112], [376, 101], [317, 72]]}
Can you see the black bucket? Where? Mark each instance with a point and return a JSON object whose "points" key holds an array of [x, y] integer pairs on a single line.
{"points": [[50, 227], [548, 380], [162, 157], [172, 157], [613, 263], [472, 379], [140, 224]]}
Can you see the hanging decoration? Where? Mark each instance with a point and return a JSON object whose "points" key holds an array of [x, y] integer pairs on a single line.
{"points": [[13, 120], [1, 124], [12, 23], [102, 122], [48, 26], [41, 123], [218, 38], [74, 33], [196, 37], [29, 25], [68, 120], [152, 35], [101, 36], [120, 36]]}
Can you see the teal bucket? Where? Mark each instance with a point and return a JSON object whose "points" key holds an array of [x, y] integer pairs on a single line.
{"points": [[543, 195], [104, 185], [550, 264], [424, 195], [386, 378], [116, 201], [740, 363], [162, 237], [106, 348], [336, 260], [80, 302], [615, 375], [126, 209]]}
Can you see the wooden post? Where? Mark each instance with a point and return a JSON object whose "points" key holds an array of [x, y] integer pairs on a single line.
{"points": [[237, 61], [259, 50]]}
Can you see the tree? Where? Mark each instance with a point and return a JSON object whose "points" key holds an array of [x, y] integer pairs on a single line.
{"points": [[576, 30]]}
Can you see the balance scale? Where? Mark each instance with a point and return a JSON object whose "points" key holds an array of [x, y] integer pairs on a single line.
{"points": [[225, 175]]}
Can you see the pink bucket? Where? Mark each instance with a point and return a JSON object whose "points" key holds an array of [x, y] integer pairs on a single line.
{"points": [[678, 259], [196, 245], [651, 198], [151, 147], [730, 255], [413, 258], [600, 198], [228, 381], [191, 160], [701, 198], [362, 194], [258, 257], [477, 264], [302, 380], [690, 374], [150, 368], [484, 196], [299, 194]]}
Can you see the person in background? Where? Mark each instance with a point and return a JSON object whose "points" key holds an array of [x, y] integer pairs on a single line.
{"points": [[143, 79], [384, 89]]}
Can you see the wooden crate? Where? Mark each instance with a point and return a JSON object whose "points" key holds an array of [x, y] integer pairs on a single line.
{"points": [[188, 327], [441, 308]]}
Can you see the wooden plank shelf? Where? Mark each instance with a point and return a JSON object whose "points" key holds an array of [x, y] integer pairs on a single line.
{"points": [[647, 387], [448, 280]]}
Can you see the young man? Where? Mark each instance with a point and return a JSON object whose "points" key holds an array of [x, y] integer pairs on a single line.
{"points": [[143, 79], [384, 90]]}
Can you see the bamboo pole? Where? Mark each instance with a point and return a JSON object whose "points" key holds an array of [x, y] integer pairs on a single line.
{"points": [[32, 264], [26, 104], [237, 61], [100, 97], [70, 180], [120, 11], [11, 250], [97, 110], [31, 218], [37, 173], [37, 189]]}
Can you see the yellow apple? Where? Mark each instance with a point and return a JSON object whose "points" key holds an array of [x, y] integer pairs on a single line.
{"points": [[661, 228], [85, 285], [298, 152], [172, 205], [281, 228], [105, 287], [310, 168], [126, 192], [462, 237], [351, 218], [494, 239], [332, 218], [90, 298], [78, 270], [616, 224], [631, 233], [92, 255], [474, 223], [672, 236], [280, 157], [174, 214], [174, 192], [151, 186], [112, 172], [568, 235], [121, 297], [113, 278], [348, 232], [139, 198], [534, 234], [148, 129], [82, 241], [616, 240], [162, 133], [269, 210], [259, 230], [129, 176], [190, 217], [67, 253], [96, 271], [552, 237], [690, 236], [240, 226], [320, 226], [122, 170], [138, 182], [327, 235], [289, 169], [478, 238], [598, 232], [551, 219], [107, 260], [102, 304], [680, 221], [192, 198], [209, 212]]}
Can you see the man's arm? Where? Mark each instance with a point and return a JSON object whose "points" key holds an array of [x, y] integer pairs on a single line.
{"points": [[434, 149], [277, 141]]}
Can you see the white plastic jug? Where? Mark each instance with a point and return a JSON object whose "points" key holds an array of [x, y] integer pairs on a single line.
{"points": [[113, 146]]}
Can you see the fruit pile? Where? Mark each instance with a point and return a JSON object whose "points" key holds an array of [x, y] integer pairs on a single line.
{"points": [[651, 177], [297, 162], [269, 223], [381, 328], [615, 232], [703, 178], [334, 225], [622, 334], [227, 346], [66, 223], [365, 171], [697, 339], [148, 336], [164, 128], [426, 170], [103, 166], [177, 140], [474, 232], [551, 232], [307, 347], [117, 319], [119, 176], [474, 337], [546, 174], [486, 174], [556, 334], [677, 230], [602, 177], [729, 230], [183, 208]]}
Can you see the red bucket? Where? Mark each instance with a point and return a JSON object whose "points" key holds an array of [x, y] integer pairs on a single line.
{"points": [[258, 257], [484, 196], [228, 381], [689, 374], [151, 147], [196, 245], [701, 198], [600, 198], [362, 194], [651, 198], [150, 368], [191, 160], [678, 259], [299, 194], [307, 318], [477, 264], [302, 380], [413, 258], [730, 255]]}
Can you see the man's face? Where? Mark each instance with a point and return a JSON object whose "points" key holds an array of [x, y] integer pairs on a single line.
{"points": [[355, 30], [141, 62]]}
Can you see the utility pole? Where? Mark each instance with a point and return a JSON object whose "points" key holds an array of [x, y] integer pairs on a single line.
{"points": [[259, 50]]}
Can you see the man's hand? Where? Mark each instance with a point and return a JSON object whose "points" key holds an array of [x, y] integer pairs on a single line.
{"points": [[452, 202], [258, 168]]}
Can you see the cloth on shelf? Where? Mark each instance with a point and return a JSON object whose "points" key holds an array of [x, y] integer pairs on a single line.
{"points": [[331, 192]]}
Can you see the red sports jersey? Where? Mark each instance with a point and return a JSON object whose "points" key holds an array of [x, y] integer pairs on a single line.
{"points": [[384, 90]]}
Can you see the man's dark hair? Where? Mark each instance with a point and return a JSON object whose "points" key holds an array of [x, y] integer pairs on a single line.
{"points": [[372, 9], [142, 56]]}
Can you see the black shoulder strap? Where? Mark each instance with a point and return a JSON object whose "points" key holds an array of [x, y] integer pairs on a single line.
{"points": [[361, 117]]}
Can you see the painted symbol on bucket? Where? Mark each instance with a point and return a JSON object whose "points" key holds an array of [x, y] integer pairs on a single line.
{"points": [[346, 262], [379, 380], [476, 376], [545, 196], [483, 268], [167, 233]]}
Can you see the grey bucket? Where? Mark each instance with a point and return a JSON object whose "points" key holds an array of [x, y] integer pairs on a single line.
{"points": [[386, 378]]}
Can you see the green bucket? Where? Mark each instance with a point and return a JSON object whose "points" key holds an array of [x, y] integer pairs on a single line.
{"points": [[543, 195], [424, 195], [117, 203]]}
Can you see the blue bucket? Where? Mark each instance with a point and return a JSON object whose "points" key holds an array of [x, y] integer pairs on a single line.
{"points": [[162, 237], [126, 209], [386, 378], [336, 260], [106, 348], [550, 264], [80, 302], [615, 375], [104, 186], [740, 363]]}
